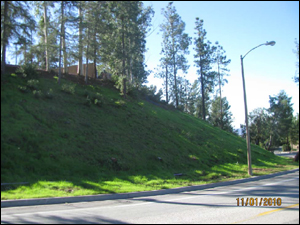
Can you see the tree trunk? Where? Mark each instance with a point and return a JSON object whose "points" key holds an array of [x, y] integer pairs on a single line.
{"points": [[95, 52], [123, 47], [270, 142], [202, 89], [124, 88], [46, 36], [30, 51], [129, 64], [176, 92], [60, 44], [124, 58], [4, 42], [87, 60], [79, 68], [167, 98], [95, 67], [221, 106], [64, 48]]}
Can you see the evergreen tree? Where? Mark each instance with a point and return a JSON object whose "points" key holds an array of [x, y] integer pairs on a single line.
{"points": [[16, 23], [45, 52], [203, 60], [282, 112], [164, 69], [294, 133], [222, 63], [124, 43], [224, 121], [192, 99], [258, 120], [64, 17], [176, 44]]}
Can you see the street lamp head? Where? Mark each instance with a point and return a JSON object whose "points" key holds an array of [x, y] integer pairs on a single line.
{"points": [[272, 43]]}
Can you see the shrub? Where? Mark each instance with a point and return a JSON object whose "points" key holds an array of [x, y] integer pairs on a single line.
{"points": [[97, 98], [49, 94], [68, 88], [97, 102], [33, 84], [86, 93], [88, 101], [23, 89], [37, 94], [28, 71]]}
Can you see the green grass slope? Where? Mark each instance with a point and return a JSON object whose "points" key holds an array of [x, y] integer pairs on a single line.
{"points": [[65, 145]]}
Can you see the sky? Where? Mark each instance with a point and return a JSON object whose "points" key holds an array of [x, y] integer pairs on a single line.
{"points": [[239, 27]]}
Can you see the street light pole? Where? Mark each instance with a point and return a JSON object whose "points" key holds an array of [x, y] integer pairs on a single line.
{"points": [[272, 43], [246, 120]]}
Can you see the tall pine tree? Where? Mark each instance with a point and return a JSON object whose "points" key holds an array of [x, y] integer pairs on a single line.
{"points": [[175, 45], [203, 61]]}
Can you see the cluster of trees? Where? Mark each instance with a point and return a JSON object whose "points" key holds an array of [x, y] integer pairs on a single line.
{"points": [[276, 125], [195, 99], [111, 34]]}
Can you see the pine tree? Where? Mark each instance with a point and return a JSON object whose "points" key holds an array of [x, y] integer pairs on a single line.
{"points": [[222, 63], [215, 119], [164, 70], [175, 44], [282, 112], [203, 60], [124, 42], [46, 49], [258, 120], [15, 20]]}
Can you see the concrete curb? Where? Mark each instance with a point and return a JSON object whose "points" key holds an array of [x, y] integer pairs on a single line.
{"points": [[102, 197]]}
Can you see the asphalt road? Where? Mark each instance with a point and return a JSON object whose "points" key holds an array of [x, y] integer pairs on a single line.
{"points": [[286, 154], [211, 205]]}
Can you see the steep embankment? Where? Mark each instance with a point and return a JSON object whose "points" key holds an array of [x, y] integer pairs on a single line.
{"points": [[63, 144]]}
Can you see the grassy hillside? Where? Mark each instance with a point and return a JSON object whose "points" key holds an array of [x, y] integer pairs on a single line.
{"points": [[65, 145]]}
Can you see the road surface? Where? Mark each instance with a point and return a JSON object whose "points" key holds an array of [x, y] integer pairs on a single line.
{"points": [[212, 205], [286, 154]]}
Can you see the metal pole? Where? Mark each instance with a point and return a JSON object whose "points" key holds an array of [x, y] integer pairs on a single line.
{"points": [[246, 120]]}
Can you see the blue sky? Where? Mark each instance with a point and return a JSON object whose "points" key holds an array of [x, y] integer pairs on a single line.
{"points": [[239, 27]]}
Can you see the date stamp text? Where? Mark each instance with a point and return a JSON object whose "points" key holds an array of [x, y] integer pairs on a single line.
{"points": [[258, 202]]}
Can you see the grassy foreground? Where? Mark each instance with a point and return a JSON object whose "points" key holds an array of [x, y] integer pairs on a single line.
{"points": [[63, 144]]}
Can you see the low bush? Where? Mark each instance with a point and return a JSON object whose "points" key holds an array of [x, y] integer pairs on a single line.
{"points": [[37, 94], [68, 88], [28, 71], [49, 94], [97, 99], [23, 89], [88, 101], [33, 84]]}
